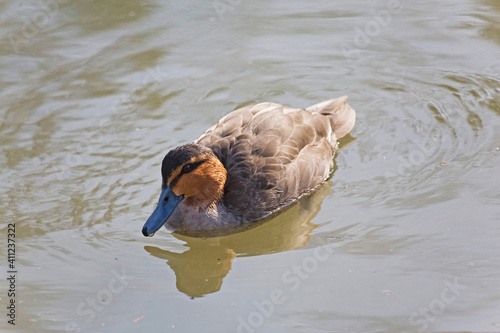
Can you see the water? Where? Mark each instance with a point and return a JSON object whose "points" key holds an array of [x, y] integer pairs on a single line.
{"points": [[404, 237]]}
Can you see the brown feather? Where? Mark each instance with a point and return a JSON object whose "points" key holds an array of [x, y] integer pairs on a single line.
{"points": [[275, 154]]}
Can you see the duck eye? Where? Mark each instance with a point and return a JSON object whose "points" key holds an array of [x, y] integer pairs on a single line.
{"points": [[188, 168]]}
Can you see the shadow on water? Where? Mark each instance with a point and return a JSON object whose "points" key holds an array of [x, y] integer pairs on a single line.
{"points": [[201, 269]]}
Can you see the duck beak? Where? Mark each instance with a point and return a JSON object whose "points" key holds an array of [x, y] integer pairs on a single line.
{"points": [[166, 205]]}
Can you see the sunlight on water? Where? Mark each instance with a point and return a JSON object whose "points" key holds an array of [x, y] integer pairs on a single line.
{"points": [[403, 238]]}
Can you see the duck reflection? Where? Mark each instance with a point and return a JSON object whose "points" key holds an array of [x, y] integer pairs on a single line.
{"points": [[201, 269]]}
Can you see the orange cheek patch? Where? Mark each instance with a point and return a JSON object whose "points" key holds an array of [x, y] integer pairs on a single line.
{"points": [[177, 171], [191, 183], [187, 185], [204, 183]]}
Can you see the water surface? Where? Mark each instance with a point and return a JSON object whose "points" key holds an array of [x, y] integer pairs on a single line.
{"points": [[404, 237]]}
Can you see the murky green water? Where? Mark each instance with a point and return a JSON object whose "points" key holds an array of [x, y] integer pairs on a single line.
{"points": [[405, 236]]}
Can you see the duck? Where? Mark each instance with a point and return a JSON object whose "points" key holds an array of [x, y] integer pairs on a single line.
{"points": [[252, 164]]}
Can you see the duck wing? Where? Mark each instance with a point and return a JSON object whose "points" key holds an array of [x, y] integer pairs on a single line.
{"points": [[274, 154]]}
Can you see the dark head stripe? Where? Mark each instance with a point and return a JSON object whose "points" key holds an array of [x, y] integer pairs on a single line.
{"points": [[179, 156], [195, 165]]}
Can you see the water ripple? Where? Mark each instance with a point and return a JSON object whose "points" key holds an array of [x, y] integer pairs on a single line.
{"points": [[443, 131]]}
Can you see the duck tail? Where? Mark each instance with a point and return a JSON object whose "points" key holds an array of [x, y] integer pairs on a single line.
{"points": [[342, 116]]}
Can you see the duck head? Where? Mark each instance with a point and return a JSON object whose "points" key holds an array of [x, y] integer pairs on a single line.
{"points": [[191, 175]]}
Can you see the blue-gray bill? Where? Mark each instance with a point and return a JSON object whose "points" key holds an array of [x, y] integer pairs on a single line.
{"points": [[166, 205]]}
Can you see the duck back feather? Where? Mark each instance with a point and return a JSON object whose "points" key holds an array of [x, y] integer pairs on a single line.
{"points": [[274, 154]]}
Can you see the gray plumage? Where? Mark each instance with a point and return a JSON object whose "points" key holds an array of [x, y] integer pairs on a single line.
{"points": [[274, 154]]}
